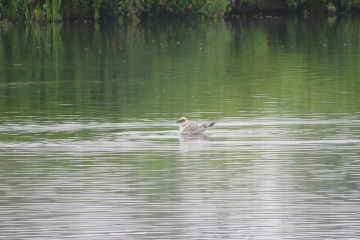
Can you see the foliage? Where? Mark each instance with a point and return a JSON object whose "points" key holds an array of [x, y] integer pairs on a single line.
{"points": [[34, 13], [30, 10], [330, 7], [13, 10], [347, 5], [52, 8], [58, 10], [324, 5]]}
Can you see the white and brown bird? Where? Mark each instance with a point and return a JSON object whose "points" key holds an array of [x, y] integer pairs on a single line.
{"points": [[192, 128]]}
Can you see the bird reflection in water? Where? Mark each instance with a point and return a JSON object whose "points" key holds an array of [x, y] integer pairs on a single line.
{"points": [[192, 142]]}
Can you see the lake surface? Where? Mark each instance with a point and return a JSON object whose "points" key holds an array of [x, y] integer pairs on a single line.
{"points": [[89, 145]]}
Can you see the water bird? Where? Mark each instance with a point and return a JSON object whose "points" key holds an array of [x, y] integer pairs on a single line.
{"points": [[192, 128]]}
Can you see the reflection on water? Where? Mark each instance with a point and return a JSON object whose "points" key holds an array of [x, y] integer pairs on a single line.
{"points": [[192, 142], [89, 147]]}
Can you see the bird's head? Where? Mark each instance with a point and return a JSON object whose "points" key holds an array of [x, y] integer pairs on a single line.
{"points": [[182, 120]]}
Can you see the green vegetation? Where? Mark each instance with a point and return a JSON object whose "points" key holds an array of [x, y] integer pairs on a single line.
{"points": [[59, 10]]}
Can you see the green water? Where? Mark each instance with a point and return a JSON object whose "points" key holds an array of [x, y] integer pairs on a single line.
{"points": [[295, 66], [89, 145]]}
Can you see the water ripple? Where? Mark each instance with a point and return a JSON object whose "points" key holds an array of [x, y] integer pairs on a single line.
{"points": [[265, 180]]}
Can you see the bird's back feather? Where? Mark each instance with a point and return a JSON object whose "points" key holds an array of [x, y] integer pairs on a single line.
{"points": [[192, 128]]}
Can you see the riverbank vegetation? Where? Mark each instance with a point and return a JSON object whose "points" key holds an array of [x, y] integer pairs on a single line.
{"points": [[123, 10]]}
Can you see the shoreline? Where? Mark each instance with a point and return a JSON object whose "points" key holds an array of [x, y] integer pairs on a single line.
{"points": [[35, 11]]}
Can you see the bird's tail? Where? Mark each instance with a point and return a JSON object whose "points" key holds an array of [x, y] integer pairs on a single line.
{"points": [[208, 125]]}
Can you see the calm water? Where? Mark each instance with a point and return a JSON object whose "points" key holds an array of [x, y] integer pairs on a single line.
{"points": [[89, 147]]}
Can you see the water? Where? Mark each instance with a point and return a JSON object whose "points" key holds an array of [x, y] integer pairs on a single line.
{"points": [[89, 147]]}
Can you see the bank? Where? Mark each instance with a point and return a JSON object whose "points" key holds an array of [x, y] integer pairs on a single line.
{"points": [[129, 10]]}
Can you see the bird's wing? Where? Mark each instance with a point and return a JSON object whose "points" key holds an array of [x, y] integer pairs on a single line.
{"points": [[208, 125], [192, 128]]}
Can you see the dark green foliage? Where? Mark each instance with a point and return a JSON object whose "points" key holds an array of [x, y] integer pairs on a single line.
{"points": [[348, 5], [13, 10], [324, 5], [60, 10]]}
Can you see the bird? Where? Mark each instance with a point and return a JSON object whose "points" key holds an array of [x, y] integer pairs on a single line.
{"points": [[192, 128]]}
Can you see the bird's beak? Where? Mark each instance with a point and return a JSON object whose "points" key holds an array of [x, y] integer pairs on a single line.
{"points": [[178, 121]]}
